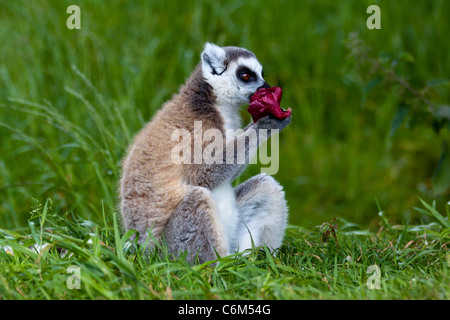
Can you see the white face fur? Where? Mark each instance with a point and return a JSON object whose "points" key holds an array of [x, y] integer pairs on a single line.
{"points": [[233, 81]]}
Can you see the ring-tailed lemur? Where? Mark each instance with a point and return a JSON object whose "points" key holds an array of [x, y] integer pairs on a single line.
{"points": [[193, 207]]}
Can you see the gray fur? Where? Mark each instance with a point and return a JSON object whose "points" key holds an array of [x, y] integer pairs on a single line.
{"points": [[193, 228], [233, 53], [263, 212]]}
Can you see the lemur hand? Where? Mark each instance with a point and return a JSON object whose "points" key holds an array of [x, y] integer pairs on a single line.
{"points": [[269, 123]]}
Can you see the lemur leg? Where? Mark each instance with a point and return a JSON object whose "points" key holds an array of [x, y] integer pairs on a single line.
{"points": [[263, 212], [194, 227]]}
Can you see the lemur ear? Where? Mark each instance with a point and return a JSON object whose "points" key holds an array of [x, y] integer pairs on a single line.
{"points": [[214, 59]]}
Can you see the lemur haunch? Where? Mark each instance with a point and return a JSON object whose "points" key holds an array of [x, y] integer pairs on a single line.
{"points": [[194, 207]]}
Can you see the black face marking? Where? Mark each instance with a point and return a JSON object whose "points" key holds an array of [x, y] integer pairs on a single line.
{"points": [[245, 75], [265, 85]]}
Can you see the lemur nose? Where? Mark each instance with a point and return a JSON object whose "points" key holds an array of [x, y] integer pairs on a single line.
{"points": [[264, 86]]}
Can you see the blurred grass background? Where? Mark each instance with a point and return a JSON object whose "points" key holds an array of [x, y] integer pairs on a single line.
{"points": [[71, 100]]}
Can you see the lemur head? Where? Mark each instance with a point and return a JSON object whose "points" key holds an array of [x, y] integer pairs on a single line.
{"points": [[234, 73]]}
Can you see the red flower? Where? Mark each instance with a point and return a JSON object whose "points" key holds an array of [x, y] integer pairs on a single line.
{"points": [[266, 102]]}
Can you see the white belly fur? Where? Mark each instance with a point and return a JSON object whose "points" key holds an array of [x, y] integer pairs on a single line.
{"points": [[225, 201]]}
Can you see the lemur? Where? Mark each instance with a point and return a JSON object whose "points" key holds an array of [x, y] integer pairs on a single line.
{"points": [[192, 207]]}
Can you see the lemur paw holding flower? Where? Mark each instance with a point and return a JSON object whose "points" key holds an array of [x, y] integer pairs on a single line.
{"points": [[191, 205]]}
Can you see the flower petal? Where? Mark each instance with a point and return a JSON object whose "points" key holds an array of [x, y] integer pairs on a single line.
{"points": [[266, 101]]}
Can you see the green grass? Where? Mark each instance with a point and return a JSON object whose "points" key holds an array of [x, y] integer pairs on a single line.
{"points": [[328, 262], [359, 143]]}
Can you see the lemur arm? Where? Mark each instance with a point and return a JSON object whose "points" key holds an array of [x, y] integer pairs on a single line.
{"points": [[251, 154], [210, 176]]}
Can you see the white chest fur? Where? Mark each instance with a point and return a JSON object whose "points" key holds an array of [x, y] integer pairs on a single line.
{"points": [[225, 201]]}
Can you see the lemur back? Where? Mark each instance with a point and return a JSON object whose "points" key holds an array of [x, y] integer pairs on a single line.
{"points": [[152, 185]]}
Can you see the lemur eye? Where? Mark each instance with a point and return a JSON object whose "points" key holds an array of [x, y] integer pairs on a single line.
{"points": [[245, 76]]}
